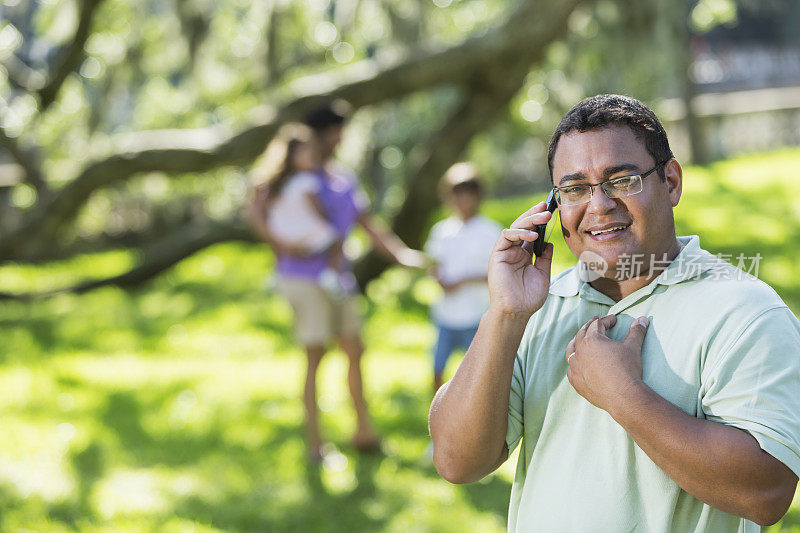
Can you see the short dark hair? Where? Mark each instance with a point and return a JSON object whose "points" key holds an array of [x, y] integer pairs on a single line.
{"points": [[604, 110], [331, 114]]}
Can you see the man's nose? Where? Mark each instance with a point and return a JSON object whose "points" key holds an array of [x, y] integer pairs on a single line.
{"points": [[600, 202]]}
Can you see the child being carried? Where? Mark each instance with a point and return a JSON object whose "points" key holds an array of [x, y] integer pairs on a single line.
{"points": [[296, 220]]}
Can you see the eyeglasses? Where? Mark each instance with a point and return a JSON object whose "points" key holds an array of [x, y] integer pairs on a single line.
{"points": [[614, 188]]}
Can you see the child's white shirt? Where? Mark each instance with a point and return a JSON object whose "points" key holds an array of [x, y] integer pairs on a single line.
{"points": [[293, 218], [462, 250]]}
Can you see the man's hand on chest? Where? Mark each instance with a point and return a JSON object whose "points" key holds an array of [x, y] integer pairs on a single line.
{"points": [[601, 369]]}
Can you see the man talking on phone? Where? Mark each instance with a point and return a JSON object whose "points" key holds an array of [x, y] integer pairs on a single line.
{"points": [[652, 387]]}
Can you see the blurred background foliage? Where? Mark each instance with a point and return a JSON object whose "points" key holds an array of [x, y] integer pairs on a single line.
{"points": [[83, 81], [174, 405]]}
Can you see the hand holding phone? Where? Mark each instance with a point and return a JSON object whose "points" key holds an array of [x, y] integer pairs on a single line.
{"points": [[537, 246], [518, 285]]}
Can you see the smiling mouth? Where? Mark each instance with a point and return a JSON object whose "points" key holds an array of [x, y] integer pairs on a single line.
{"points": [[608, 231]]}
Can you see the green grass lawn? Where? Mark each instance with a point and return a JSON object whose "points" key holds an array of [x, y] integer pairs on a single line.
{"points": [[176, 407]]}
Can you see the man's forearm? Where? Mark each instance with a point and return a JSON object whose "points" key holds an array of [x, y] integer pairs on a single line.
{"points": [[469, 415], [720, 465]]}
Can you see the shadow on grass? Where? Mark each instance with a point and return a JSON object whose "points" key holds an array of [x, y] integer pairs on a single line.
{"points": [[125, 411], [490, 494], [266, 486], [404, 412], [326, 510], [246, 480], [318, 508], [88, 326], [89, 465]]}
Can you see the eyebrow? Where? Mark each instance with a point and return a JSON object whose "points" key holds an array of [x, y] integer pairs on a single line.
{"points": [[607, 172]]}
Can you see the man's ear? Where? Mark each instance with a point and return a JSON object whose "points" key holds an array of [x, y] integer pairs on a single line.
{"points": [[674, 180]]}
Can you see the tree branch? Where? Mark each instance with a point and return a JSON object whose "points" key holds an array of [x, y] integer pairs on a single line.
{"points": [[21, 76], [166, 219], [28, 159], [158, 257], [271, 57], [69, 57], [194, 25]]}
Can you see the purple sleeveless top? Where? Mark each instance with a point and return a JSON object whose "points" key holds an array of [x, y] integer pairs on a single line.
{"points": [[339, 198]]}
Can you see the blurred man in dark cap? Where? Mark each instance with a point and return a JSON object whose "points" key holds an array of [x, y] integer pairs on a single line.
{"points": [[327, 122]]}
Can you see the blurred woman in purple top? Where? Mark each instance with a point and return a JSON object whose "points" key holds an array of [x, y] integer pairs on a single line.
{"points": [[317, 280]]}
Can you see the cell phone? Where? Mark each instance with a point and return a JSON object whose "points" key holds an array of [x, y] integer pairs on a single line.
{"points": [[537, 247]]}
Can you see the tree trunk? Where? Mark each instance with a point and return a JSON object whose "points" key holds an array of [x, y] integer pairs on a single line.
{"points": [[70, 56], [698, 146]]}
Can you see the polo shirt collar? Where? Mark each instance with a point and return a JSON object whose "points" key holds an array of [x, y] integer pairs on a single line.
{"points": [[688, 264], [567, 284]]}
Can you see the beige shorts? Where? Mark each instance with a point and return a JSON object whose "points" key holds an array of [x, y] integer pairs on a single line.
{"points": [[318, 317]]}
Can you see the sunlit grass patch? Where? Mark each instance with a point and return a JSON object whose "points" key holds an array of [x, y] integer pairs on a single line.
{"points": [[60, 274]]}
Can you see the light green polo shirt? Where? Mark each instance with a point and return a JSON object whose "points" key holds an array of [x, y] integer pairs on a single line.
{"points": [[721, 346]]}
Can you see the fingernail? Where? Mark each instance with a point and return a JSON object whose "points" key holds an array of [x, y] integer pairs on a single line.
{"points": [[642, 320]]}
